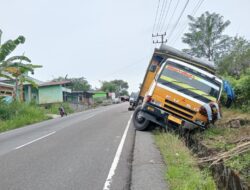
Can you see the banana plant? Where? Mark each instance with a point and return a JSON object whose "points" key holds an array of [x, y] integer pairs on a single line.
{"points": [[19, 71], [15, 67], [5, 50]]}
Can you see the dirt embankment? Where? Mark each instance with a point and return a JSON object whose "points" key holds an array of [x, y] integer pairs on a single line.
{"points": [[225, 149]]}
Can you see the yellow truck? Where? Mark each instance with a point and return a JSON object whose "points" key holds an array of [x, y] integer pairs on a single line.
{"points": [[177, 90]]}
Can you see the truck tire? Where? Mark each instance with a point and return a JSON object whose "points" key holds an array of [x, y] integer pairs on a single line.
{"points": [[140, 123]]}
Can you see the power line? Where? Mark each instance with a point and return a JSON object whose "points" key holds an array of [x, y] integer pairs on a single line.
{"points": [[156, 15], [172, 15], [186, 24], [164, 20], [178, 20], [198, 5], [161, 14], [125, 67]]}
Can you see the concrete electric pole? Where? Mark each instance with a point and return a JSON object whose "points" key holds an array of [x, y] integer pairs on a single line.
{"points": [[162, 41]]}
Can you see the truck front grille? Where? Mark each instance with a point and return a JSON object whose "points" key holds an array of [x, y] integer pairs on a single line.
{"points": [[179, 110]]}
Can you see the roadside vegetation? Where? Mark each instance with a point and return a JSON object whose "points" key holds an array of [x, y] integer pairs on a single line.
{"points": [[17, 114], [182, 171], [230, 142], [53, 108]]}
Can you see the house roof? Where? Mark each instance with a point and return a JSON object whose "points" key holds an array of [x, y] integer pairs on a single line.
{"points": [[96, 92], [38, 82], [54, 83], [81, 92], [6, 85]]}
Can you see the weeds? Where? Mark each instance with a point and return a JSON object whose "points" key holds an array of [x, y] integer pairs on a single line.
{"points": [[16, 114], [182, 171]]}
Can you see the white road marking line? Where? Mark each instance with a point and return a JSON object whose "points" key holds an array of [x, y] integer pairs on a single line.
{"points": [[116, 158], [35, 140], [89, 117]]}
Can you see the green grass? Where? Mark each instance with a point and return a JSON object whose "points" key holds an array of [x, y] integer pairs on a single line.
{"points": [[241, 164], [222, 138], [19, 114], [182, 171]]}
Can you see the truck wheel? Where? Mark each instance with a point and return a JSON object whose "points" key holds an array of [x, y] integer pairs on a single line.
{"points": [[140, 123]]}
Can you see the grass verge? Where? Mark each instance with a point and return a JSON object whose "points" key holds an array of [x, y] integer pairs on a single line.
{"points": [[182, 171], [16, 114]]}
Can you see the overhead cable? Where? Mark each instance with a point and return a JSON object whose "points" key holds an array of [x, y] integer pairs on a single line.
{"points": [[179, 18], [165, 17], [171, 17], [164, 3], [198, 5], [156, 15]]}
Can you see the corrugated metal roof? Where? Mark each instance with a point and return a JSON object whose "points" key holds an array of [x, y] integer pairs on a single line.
{"points": [[6, 85], [54, 83]]}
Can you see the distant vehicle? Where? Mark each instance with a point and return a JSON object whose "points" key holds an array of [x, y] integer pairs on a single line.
{"points": [[131, 100], [124, 98], [116, 100], [178, 91], [133, 97]]}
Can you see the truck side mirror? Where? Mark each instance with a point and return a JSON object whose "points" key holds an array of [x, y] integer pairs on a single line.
{"points": [[152, 68]]}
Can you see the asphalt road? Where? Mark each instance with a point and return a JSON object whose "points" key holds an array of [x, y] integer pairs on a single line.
{"points": [[80, 151]]}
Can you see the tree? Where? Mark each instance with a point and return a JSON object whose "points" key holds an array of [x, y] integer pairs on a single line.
{"points": [[237, 60], [5, 50], [15, 66], [20, 74], [119, 87], [77, 84], [206, 38]]}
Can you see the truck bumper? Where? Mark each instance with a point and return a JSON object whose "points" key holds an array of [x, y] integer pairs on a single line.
{"points": [[162, 117]]}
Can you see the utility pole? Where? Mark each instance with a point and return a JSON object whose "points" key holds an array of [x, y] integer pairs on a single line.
{"points": [[163, 41]]}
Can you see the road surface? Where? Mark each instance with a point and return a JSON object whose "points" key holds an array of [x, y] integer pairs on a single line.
{"points": [[89, 150]]}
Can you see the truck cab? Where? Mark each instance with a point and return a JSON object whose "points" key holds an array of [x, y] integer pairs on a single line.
{"points": [[176, 93]]}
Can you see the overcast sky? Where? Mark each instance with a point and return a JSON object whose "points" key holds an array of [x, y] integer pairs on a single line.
{"points": [[105, 39]]}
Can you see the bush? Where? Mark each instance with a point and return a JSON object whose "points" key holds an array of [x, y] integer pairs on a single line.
{"points": [[242, 90]]}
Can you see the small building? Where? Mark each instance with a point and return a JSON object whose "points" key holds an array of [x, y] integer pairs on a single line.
{"points": [[80, 97], [6, 89], [53, 92], [47, 92]]}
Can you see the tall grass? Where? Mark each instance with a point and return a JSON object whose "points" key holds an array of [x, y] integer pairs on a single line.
{"points": [[182, 171], [17, 114]]}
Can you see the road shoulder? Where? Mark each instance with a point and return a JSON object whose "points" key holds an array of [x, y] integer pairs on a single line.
{"points": [[147, 167]]}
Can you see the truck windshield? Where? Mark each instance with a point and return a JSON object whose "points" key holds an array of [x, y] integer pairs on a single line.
{"points": [[189, 82]]}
